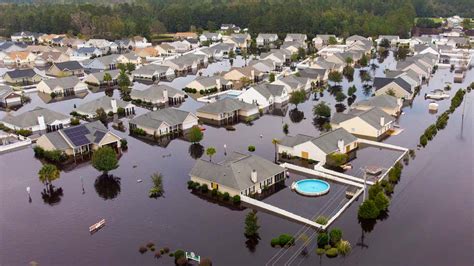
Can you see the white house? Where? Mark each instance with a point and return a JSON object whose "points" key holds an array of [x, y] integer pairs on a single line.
{"points": [[264, 39], [265, 96], [108, 104], [37, 120]]}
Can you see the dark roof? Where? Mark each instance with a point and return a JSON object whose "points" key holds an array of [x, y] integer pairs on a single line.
{"points": [[380, 82], [21, 73], [68, 65]]}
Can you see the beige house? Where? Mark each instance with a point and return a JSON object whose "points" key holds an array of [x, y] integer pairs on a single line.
{"points": [[65, 86], [79, 139], [64, 69], [22, 77], [389, 104], [238, 74], [238, 174], [373, 123], [227, 111], [19, 59], [164, 121], [318, 148], [397, 87], [204, 83]]}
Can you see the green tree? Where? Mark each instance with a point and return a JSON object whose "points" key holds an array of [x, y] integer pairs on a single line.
{"points": [[368, 210], [251, 224], [104, 159], [101, 115], [298, 97], [381, 201], [107, 79], [364, 61], [275, 143], [332, 40], [323, 239], [340, 96], [157, 189], [48, 173], [352, 90], [335, 235], [385, 43], [335, 77], [337, 159], [195, 134], [130, 67], [271, 77], [210, 152], [322, 110], [123, 79]]}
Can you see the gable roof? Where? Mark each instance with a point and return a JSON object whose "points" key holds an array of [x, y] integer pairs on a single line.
{"points": [[103, 102], [5, 91], [327, 142], [234, 172], [64, 82], [30, 118], [371, 116], [76, 136], [155, 92], [170, 116], [225, 105], [21, 73], [381, 101], [68, 65], [380, 82]]}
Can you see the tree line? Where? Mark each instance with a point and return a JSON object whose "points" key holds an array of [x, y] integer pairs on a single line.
{"points": [[152, 17]]}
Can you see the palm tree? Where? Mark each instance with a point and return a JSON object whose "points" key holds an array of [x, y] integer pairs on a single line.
{"points": [[349, 60], [48, 173], [210, 152], [108, 79], [275, 142]]}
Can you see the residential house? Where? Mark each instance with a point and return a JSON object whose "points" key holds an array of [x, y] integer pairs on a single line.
{"points": [[372, 123], [22, 77], [227, 111], [240, 40], [159, 95], [409, 76], [87, 52], [19, 59], [266, 39], [24, 36], [210, 37], [147, 52], [102, 44], [65, 86], [7, 47], [322, 40], [64, 69], [425, 48], [230, 27], [185, 35], [164, 121], [108, 104], [265, 66], [415, 65], [9, 97], [397, 87], [140, 42], [315, 75], [165, 49], [153, 72], [389, 104], [265, 95], [48, 58], [80, 139], [294, 47], [181, 47], [238, 174], [296, 37], [186, 63], [111, 62], [354, 38], [238, 74], [281, 57], [97, 78], [318, 148], [37, 120], [293, 83], [392, 39], [206, 83]]}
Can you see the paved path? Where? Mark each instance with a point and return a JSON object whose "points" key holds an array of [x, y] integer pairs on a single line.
{"points": [[278, 211]]}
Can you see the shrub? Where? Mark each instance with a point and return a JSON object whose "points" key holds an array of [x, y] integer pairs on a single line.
{"points": [[368, 210], [157, 254], [326, 247], [236, 199], [320, 251], [374, 190], [214, 192], [337, 159], [344, 247], [323, 239], [226, 196], [138, 131], [423, 140], [150, 244], [124, 144], [275, 242], [190, 184], [121, 111], [23, 132], [195, 134], [388, 189], [179, 254], [75, 121], [381, 201], [332, 252], [251, 148], [142, 249], [384, 183], [166, 250], [204, 188], [322, 220], [286, 239], [335, 236]]}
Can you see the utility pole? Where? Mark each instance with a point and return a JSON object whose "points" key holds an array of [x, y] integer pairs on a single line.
{"points": [[365, 184]]}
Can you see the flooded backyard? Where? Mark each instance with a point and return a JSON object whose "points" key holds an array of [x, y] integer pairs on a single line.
{"points": [[431, 207]]}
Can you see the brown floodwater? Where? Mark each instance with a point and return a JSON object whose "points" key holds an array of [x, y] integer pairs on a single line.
{"points": [[430, 219]]}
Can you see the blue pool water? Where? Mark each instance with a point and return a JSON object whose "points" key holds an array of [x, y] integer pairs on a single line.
{"points": [[312, 187]]}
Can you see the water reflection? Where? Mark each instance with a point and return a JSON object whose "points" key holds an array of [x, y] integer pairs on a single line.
{"points": [[252, 242], [107, 186], [340, 107], [296, 115], [196, 150], [52, 195], [367, 225]]}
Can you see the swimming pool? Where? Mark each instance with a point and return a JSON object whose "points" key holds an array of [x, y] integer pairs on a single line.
{"points": [[311, 187]]}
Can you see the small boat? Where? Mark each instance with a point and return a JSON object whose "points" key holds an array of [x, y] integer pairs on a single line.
{"points": [[437, 95], [93, 228], [433, 106]]}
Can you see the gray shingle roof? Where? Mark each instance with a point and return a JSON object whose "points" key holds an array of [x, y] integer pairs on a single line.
{"points": [[225, 105], [327, 142], [154, 119], [88, 133], [68, 65], [22, 73], [381, 101], [30, 118], [211, 81], [102, 102], [371, 116], [5, 91], [268, 90], [380, 82], [65, 82], [235, 171], [155, 92]]}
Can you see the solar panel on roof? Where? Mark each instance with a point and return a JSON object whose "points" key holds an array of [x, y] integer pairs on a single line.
{"points": [[77, 135]]}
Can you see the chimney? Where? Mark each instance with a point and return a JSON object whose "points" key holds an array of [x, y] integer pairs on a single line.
{"points": [[165, 95], [253, 176], [218, 84], [382, 121], [340, 145], [252, 74], [41, 123], [113, 103]]}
